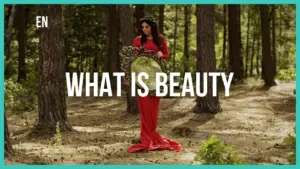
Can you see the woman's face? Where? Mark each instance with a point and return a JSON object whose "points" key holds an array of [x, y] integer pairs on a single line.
{"points": [[146, 28]]}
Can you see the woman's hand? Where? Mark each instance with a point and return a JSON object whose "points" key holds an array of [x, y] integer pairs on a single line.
{"points": [[160, 54]]}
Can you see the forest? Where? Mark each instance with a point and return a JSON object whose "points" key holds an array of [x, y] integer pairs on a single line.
{"points": [[254, 125]]}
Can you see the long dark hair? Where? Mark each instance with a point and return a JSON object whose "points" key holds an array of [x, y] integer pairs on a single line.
{"points": [[154, 32]]}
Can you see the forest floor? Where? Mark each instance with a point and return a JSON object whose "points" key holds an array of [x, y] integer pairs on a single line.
{"points": [[254, 120]]}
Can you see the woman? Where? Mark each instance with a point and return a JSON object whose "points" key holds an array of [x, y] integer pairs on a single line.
{"points": [[149, 105]]}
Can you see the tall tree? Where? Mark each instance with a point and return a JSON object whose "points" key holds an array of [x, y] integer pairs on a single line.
{"points": [[224, 62], [280, 28], [161, 18], [9, 27], [235, 42], [7, 15], [8, 150], [257, 56], [253, 48], [127, 40], [21, 41], [112, 46], [175, 36], [268, 73], [12, 12], [187, 22], [139, 13], [206, 57], [247, 41], [126, 25], [274, 38], [52, 101]]}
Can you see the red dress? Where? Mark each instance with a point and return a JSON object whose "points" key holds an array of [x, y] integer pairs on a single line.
{"points": [[148, 107]]}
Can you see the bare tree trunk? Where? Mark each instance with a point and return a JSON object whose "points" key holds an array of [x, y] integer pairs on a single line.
{"points": [[52, 101], [127, 28], [187, 22], [22, 42], [161, 18], [235, 42], [8, 150], [127, 39], [8, 31], [81, 63], [280, 29], [247, 42], [112, 43], [118, 43], [224, 65], [206, 59], [175, 37], [86, 58], [7, 15], [253, 52], [267, 68], [274, 38], [9, 70], [95, 63], [139, 13], [257, 56]]}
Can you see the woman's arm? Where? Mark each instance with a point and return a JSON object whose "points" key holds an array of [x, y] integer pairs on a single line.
{"points": [[164, 48], [136, 42]]}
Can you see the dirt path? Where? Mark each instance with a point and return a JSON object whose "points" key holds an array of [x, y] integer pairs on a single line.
{"points": [[254, 120]]}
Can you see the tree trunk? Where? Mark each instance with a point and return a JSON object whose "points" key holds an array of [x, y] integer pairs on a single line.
{"points": [[8, 31], [247, 42], [187, 22], [235, 42], [280, 21], [267, 68], [96, 59], [118, 43], [112, 44], [274, 39], [9, 70], [86, 58], [224, 65], [8, 150], [127, 28], [206, 59], [52, 101], [149, 8], [257, 56], [81, 63], [175, 36], [280, 30], [253, 52], [95, 63], [161, 18], [139, 13], [127, 40], [22, 43], [7, 15]]}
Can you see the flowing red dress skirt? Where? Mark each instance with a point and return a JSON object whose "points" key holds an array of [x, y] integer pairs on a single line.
{"points": [[149, 137]]}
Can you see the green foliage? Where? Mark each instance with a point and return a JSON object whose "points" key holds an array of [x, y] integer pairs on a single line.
{"points": [[290, 140], [213, 151], [11, 93], [287, 74], [84, 36], [17, 98]]}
